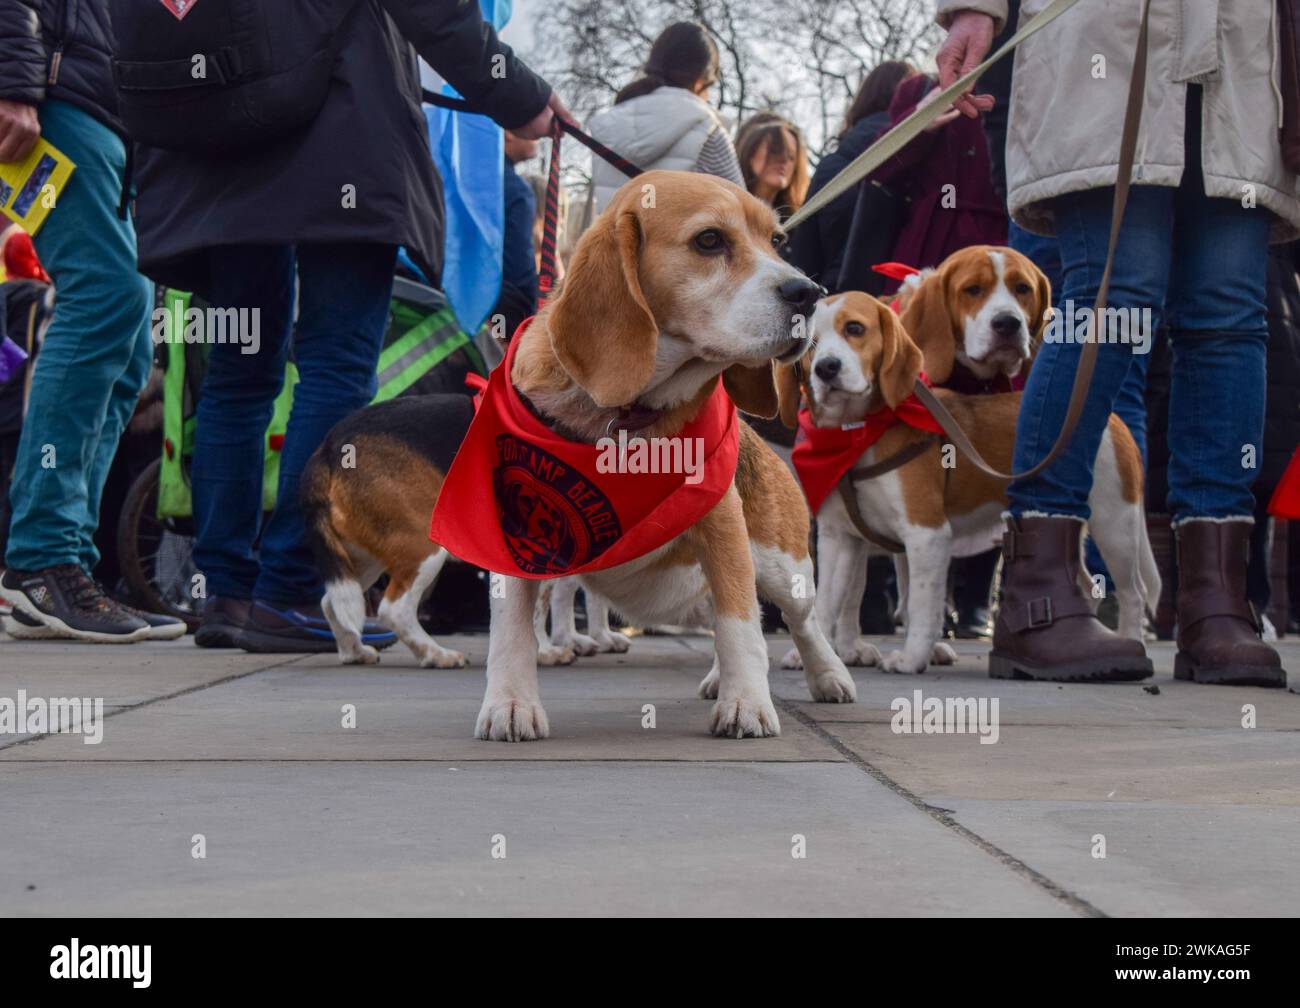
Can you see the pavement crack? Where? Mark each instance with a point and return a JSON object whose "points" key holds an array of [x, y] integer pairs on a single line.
{"points": [[944, 816]]}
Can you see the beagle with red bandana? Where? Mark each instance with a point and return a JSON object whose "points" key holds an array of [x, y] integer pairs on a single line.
{"points": [[674, 292], [862, 361]]}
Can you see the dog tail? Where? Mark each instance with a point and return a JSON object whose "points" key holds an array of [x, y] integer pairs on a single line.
{"points": [[1148, 572], [332, 560]]}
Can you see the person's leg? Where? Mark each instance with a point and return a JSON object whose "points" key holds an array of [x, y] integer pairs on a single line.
{"points": [[86, 364], [342, 314], [1045, 626], [1219, 332], [1139, 281], [235, 406], [1042, 250], [121, 405]]}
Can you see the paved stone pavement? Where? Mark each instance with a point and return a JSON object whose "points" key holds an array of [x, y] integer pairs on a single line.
{"points": [[247, 756]]}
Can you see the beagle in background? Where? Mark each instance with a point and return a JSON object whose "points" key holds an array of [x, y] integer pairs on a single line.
{"points": [[977, 317], [366, 495], [863, 359], [599, 638]]}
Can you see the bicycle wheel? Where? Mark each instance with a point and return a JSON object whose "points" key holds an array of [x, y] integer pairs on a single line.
{"points": [[156, 554]]}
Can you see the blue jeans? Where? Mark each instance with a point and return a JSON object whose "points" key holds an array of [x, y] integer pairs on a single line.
{"points": [[1130, 400], [1199, 264], [95, 357], [343, 298]]}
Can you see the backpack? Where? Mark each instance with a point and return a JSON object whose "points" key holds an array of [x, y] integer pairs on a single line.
{"points": [[220, 76]]}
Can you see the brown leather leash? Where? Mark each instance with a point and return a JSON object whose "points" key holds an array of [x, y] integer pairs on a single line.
{"points": [[849, 496], [1088, 357]]}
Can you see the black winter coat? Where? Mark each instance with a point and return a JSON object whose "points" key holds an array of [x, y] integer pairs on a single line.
{"points": [[817, 247], [78, 32], [361, 172]]}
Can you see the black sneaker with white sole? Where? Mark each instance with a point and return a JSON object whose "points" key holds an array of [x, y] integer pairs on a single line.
{"points": [[161, 627], [20, 626], [64, 598]]}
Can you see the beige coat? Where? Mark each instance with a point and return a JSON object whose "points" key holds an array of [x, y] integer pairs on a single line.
{"points": [[1071, 82]]}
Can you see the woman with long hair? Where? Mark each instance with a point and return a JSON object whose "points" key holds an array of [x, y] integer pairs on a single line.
{"points": [[774, 161], [662, 118]]}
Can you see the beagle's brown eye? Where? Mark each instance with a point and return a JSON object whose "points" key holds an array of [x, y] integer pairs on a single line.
{"points": [[854, 328], [1023, 288], [710, 241], [973, 290], [778, 241]]}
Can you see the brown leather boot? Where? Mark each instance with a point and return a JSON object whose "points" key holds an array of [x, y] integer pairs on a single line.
{"points": [[1218, 634], [1045, 627]]}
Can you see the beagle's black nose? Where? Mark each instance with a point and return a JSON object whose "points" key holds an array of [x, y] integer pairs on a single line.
{"points": [[827, 368], [1006, 325], [800, 293]]}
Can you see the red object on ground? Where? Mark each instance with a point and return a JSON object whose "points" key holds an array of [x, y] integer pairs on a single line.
{"points": [[20, 259], [555, 512], [1285, 502], [822, 455]]}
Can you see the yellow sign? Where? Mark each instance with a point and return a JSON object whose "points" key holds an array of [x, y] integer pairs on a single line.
{"points": [[29, 189]]}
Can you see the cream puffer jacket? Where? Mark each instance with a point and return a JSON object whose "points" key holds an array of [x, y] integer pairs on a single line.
{"points": [[1071, 81], [666, 128]]}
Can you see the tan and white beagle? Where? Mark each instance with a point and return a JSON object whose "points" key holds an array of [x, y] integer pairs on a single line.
{"points": [[675, 287], [862, 359], [977, 317]]}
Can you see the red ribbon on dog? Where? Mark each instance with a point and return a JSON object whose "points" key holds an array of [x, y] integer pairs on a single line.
{"points": [[822, 455], [554, 512]]}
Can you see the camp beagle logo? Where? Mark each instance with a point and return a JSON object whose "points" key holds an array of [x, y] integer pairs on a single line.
{"points": [[554, 518]]}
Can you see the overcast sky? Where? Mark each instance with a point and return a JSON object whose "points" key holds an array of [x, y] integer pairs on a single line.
{"points": [[519, 32]]}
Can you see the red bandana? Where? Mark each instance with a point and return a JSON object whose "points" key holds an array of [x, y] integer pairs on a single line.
{"points": [[822, 455], [556, 513]]}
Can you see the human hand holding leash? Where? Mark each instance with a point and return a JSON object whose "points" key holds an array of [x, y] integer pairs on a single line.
{"points": [[970, 37], [540, 125]]}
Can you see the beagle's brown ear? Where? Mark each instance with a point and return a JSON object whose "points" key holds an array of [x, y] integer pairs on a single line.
{"points": [[901, 359], [752, 389], [788, 391], [929, 320], [1043, 303], [601, 328]]}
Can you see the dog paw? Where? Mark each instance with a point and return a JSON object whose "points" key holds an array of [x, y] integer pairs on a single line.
{"points": [[901, 662], [579, 644], [608, 641], [555, 655], [862, 653], [511, 720], [739, 717], [362, 654], [792, 659], [441, 657], [943, 654], [832, 685], [708, 689]]}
